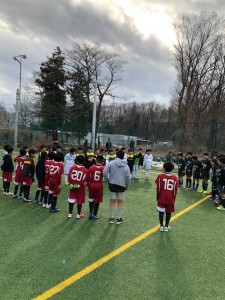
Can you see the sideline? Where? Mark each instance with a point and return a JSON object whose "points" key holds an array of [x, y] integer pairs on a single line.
{"points": [[77, 276]]}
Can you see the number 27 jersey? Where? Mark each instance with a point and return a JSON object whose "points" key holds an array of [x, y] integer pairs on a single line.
{"points": [[166, 188]]}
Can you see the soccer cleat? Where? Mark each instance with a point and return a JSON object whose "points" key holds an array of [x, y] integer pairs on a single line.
{"points": [[167, 228], [161, 228], [204, 192], [119, 221], [211, 199], [27, 200], [44, 205], [48, 206], [220, 207], [55, 210], [9, 194], [95, 217], [200, 191], [111, 220], [69, 216], [40, 202], [35, 201], [20, 197], [90, 216], [81, 215], [15, 196]]}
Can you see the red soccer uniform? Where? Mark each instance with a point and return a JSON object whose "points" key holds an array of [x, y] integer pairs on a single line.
{"points": [[55, 171], [19, 168], [47, 165], [166, 191], [95, 183], [77, 175]]}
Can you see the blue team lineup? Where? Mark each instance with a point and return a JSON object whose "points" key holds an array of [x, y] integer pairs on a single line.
{"points": [[85, 173]]}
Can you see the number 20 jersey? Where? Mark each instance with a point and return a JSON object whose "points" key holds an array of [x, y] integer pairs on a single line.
{"points": [[166, 188], [78, 175]]}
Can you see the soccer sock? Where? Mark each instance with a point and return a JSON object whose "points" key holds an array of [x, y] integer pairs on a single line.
{"points": [[168, 216], [7, 187], [193, 185], [96, 207], [4, 186], [71, 208], [42, 195], [119, 211], [186, 182], [161, 215], [53, 202], [111, 212], [16, 189], [91, 206], [45, 197], [189, 182], [37, 195], [28, 192], [196, 186], [21, 191], [50, 198], [181, 181], [79, 207]]}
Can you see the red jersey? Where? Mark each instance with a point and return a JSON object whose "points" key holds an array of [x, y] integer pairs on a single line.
{"points": [[55, 171], [19, 164], [166, 188], [95, 174], [78, 175]]}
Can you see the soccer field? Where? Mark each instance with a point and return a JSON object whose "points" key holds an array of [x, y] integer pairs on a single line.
{"points": [[44, 254]]}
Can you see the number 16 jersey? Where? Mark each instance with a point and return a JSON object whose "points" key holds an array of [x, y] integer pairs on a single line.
{"points": [[166, 188]]}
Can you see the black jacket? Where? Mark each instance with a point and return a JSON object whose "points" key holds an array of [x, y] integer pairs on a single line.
{"points": [[28, 168], [7, 164], [40, 170]]}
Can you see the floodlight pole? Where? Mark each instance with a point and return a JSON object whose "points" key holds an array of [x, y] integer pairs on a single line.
{"points": [[18, 98], [94, 118]]}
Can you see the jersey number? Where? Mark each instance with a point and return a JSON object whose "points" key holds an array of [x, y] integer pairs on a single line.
{"points": [[76, 175], [97, 176], [168, 184]]}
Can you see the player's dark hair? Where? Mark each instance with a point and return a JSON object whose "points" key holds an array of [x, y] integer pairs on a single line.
{"points": [[79, 148], [51, 155], [72, 150], [22, 152], [90, 148], [189, 153], [130, 150], [180, 154], [59, 157], [168, 166], [111, 150], [222, 160], [43, 154], [194, 157], [42, 146], [100, 159], [206, 154], [6, 147], [80, 159], [9, 149], [220, 155], [149, 150], [120, 154], [32, 151], [123, 148], [25, 147], [140, 149], [215, 162]]}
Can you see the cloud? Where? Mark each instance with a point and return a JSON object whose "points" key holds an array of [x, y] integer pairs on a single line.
{"points": [[36, 27]]}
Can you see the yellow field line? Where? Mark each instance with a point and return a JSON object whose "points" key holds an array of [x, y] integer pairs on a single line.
{"points": [[77, 276]]}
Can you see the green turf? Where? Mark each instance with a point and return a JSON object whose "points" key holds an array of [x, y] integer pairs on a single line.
{"points": [[40, 249]]}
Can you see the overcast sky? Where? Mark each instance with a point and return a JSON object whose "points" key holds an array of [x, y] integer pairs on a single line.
{"points": [[141, 31]]}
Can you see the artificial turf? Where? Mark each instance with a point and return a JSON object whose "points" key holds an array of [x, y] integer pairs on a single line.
{"points": [[40, 249]]}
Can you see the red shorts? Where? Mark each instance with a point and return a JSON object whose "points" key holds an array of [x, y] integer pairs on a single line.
{"points": [[96, 192], [77, 195], [27, 181], [169, 208], [54, 187], [18, 179], [7, 176], [41, 186]]}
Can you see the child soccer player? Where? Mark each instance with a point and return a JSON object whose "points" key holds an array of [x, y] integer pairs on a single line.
{"points": [[166, 185], [28, 174], [79, 153], [221, 183], [215, 168], [7, 170], [137, 165], [189, 167], [18, 176], [111, 156], [181, 168], [40, 174], [56, 169], [2, 160], [48, 163], [95, 185], [69, 160], [148, 159], [77, 177], [90, 158], [206, 166], [130, 161], [196, 172]]}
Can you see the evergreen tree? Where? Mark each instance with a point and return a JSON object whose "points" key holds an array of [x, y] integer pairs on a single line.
{"points": [[51, 81]]}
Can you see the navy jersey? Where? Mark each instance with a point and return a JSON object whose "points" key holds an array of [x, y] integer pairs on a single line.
{"points": [[206, 166], [196, 170]]}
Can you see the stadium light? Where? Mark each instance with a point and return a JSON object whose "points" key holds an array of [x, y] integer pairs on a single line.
{"points": [[19, 59]]}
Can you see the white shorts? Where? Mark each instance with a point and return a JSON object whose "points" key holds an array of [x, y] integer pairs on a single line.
{"points": [[116, 196]]}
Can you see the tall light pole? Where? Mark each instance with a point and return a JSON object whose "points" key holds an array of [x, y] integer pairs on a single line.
{"points": [[18, 58]]}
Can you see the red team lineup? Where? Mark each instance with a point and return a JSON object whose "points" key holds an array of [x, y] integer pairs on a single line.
{"points": [[81, 171]]}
